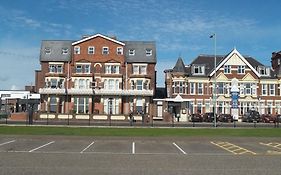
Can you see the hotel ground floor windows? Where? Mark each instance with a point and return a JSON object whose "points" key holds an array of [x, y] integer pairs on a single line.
{"points": [[81, 105], [111, 106]]}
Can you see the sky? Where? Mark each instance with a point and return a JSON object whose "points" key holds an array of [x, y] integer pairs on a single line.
{"points": [[181, 28]]}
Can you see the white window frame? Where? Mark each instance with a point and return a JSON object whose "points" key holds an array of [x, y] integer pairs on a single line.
{"points": [[48, 50], [105, 50], [241, 69], [227, 69], [200, 89], [64, 51], [200, 70], [137, 69], [91, 50], [148, 52], [109, 68], [132, 52], [272, 89], [76, 50], [192, 90], [119, 50], [264, 89]]}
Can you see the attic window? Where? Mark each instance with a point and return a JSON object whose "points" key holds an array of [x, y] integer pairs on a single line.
{"points": [[264, 71], [47, 50], [148, 52], [198, 70], [64, 51], [132, 52]]}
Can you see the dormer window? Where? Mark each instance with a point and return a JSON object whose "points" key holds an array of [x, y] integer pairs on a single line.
{"points": [[198, 69], [148, 52], [47, 50], [64, 51], [132, 52], [264, 71]]}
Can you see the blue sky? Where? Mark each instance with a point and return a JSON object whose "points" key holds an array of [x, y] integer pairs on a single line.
{"points": [[179, 27]]}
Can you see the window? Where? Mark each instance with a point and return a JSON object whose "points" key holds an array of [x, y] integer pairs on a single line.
{"points": [[76, 49], [91, 50], [143, 70], [81, 105], [264, 89], [148, 52], [55, 68], [119, 51], [64, 51], [83, 68], [139, 84], [47, 50], [53, 104], [271, 89], [192, 88], [139, 105], [111, 84], [179, 87], [241, 69], [200, 88], [227, 69], [139, 69], [112, 69], [54, 83], [220, 88], [248, 88], [264, 71], [105, 51], [111, 106], [132, 52], [198, 70]]}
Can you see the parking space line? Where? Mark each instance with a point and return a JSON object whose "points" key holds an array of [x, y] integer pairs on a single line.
{"points": [[41, 146], [273, 145], [179, 148], [87, 147], [133, 148], [233, 148], [7, 142]]}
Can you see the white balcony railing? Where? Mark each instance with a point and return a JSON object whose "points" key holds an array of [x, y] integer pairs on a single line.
{"points": [[96, 91], [51, 91]]}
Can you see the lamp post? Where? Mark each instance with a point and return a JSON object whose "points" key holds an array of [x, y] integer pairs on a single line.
{"points": [[214, 36]]}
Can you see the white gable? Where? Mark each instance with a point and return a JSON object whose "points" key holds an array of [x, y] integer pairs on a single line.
{"points": [[235, 60], [98, 35], [248, 77], [236, 55], [222, 77]]}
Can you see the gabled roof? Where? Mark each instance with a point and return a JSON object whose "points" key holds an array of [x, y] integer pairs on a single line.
{"points": [[97, 35], [234, 51]]}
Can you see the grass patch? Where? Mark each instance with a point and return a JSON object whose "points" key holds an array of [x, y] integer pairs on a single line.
{"points": [[84, 131]]}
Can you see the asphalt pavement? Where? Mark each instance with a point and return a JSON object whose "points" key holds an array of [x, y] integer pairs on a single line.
{"points": [[139, 155]]}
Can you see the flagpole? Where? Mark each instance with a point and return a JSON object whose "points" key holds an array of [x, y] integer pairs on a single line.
{"points": [[215, 79]]}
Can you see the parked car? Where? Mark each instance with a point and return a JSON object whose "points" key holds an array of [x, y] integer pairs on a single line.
{"points": [[278, 118], [196, 118], [208, 117], [268, 118], [225, 118], [251, 116]]}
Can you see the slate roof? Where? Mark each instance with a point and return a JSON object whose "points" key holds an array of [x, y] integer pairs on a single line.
{"points": [[56, 47], [140, 51], [208, 62]]}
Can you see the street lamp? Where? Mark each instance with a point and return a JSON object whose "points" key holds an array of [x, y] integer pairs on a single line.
{"points": [[215, 78]]}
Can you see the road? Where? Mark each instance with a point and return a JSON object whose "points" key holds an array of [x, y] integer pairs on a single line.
{"points": [[139, 155]]}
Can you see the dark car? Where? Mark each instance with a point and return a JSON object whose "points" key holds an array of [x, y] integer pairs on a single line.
{"points": [[209, 117], [251, 116], [268, 118], [278, 118], [196, 118], [225, 118]]}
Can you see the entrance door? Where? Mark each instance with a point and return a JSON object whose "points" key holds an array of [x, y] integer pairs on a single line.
{"points": [[110, 106]]}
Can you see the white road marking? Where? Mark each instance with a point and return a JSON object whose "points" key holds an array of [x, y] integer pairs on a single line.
{"points": [[7, 142], [179, 148], [87, 147], [133, 148], [41, 146]]}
